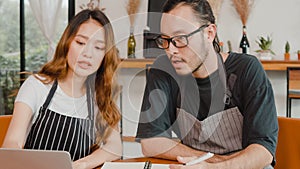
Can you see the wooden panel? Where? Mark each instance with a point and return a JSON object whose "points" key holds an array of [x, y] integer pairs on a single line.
{"points": [[294, 96], [274, 65], [294, 74], [294, 84]]}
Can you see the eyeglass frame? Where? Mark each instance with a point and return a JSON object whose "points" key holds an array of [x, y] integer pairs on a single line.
{"points": [[185, 36]]}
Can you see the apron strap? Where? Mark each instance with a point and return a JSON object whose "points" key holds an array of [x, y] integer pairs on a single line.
{"points": [[50, 94], [90, 99], [90, 106], [228, 83]]}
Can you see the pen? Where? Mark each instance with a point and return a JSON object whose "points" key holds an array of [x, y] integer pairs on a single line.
{"points": [[148, 165], [201, 158]]}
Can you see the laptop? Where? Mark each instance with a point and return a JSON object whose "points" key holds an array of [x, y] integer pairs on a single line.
{"points": [[34, 159]]}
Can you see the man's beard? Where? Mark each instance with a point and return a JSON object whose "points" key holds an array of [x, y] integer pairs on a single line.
{"points": [[201, 63]]}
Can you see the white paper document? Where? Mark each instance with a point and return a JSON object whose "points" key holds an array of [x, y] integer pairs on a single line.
{"points": [[132, 165]]}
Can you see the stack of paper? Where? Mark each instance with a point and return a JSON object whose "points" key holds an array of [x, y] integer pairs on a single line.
{"points": [[132, 165]]}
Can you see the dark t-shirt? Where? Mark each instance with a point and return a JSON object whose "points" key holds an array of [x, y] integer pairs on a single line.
{"points": [[250, 90]]}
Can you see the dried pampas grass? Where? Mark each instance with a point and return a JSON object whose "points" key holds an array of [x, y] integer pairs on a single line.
{"points": [[132, 8], [92, 4], [243, 8], [215, 6]]}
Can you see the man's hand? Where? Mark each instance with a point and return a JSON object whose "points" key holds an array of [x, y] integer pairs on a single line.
{"points": [[185, 160], [254, 156], [171, 149], [218, 158]]}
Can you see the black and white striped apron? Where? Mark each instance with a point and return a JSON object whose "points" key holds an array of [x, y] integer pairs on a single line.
{"points": [[54, 131]]}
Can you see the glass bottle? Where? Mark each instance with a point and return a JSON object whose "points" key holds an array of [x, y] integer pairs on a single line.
{"points": [[131, 45], [244, 44]]}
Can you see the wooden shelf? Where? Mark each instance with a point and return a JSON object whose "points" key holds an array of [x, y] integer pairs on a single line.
{"points": [[136, 63], [279, 65], [274, 65]]}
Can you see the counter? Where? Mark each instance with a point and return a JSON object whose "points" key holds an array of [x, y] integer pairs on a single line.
{"points": [[275, 65]]}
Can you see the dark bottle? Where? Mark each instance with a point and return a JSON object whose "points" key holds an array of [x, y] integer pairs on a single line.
{"points": [[131, 45], [244, 44]]}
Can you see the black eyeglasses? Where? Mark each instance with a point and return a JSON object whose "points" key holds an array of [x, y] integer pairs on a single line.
{"points": [[179, 41]]}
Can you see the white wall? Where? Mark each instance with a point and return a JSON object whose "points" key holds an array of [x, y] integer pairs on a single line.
{"points": [[133, 82], [277, 18], [117, 13]]}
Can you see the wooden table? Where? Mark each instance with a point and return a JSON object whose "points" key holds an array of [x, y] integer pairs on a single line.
{"points": [[144, 159], [153, 160]]}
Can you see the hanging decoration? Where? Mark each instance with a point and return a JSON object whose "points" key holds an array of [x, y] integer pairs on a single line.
{"points": [[215, 6]]}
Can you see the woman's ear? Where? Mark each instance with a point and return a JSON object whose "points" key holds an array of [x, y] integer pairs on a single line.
{"points": [[211, 32]]}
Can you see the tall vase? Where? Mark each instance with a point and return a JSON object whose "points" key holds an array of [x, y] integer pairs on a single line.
{"points": [[131, 44], [244, 44]]}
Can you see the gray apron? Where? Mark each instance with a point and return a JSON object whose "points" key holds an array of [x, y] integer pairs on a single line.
{"points": [[220, 133]]}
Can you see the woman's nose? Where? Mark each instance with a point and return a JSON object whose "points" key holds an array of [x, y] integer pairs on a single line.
{"points": [[87, 51]]}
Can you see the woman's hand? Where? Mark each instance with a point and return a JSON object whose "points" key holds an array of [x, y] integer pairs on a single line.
{"points": [[79, 165]]}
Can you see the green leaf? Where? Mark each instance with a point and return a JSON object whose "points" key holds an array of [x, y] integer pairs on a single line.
{"points": [[264, 43]]}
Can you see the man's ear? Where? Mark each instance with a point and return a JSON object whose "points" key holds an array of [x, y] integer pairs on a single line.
{"points": [[211, 32]]}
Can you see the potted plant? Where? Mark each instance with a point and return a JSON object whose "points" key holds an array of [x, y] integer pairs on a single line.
{"points": [[287, 51], [265, 48]]}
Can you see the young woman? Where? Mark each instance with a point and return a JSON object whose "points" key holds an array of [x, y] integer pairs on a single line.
{"points": [[68, 105]]}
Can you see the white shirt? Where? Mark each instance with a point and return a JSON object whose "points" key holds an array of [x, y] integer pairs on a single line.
{"points": [[34, 93]]}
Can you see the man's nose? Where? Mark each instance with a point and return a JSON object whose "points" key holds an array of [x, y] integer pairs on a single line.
{"points": [[172, 48]]}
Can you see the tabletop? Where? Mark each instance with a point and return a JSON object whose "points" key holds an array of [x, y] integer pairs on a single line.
{"points": [[144, 159]]}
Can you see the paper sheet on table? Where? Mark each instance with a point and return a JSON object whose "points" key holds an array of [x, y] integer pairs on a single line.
{"points": [[132, 165]]}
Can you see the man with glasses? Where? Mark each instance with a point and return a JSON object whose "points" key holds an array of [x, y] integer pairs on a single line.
{"points": [[218, 103]]}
